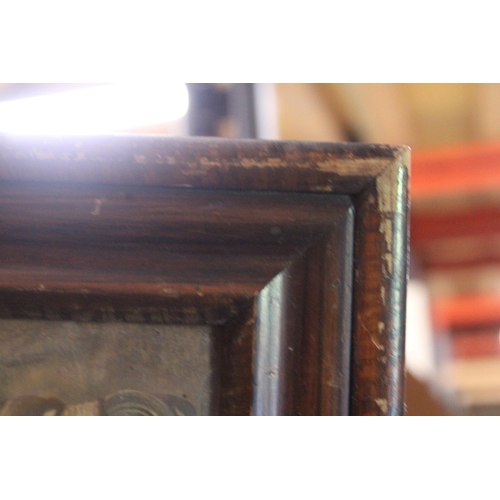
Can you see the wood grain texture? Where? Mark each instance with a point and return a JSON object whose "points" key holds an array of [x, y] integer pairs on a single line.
{"points": [[377, 377], [168, 253], [233, 364], [194, 162], [303, 335], [202, 231]]}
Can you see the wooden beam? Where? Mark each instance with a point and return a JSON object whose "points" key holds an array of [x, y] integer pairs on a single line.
{"points": [[487, 117], [305, 116], [377, 112]]}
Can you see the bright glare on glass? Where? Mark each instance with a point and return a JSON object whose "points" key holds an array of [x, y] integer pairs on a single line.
{"points": [[96, 110]]}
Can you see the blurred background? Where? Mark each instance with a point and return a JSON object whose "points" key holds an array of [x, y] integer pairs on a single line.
{"points": [[453, 317]]}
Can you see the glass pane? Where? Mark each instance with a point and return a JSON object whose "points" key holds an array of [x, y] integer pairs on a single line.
{"points": [[69, 368]]}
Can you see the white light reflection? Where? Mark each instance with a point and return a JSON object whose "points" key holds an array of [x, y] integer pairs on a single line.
{"points": [[96, 110]]}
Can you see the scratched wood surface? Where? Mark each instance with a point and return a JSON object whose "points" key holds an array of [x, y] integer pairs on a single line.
{"points": [[295, 254]]}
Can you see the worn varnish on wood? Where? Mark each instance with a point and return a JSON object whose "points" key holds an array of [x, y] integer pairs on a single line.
{"points": [[292, 254]]}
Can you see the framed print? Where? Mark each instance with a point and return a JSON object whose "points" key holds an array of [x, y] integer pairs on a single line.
{"points": [[148, 275]]}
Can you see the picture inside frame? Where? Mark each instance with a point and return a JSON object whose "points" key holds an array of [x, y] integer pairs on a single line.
{"points": [[73, 368]]}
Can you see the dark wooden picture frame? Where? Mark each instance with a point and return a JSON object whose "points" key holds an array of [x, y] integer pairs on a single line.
{"points": [[293, 253]]}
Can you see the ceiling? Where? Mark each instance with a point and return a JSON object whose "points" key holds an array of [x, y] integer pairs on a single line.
{"points": [[419, 115], [416, 114]]}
